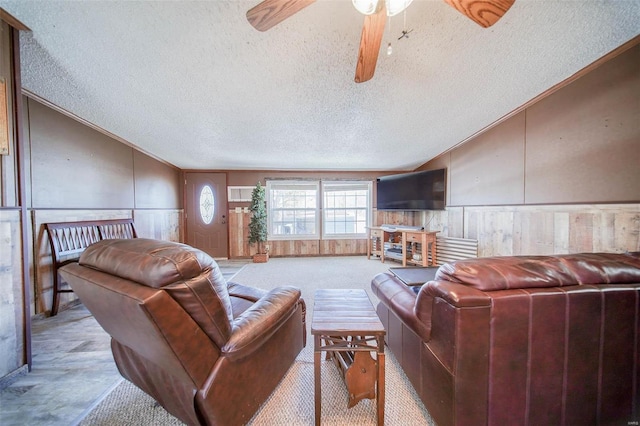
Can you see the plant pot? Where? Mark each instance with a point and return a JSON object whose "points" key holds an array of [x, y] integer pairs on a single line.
{"points": [[260, 257]]}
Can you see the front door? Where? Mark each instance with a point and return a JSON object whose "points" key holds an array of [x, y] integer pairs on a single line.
{"points": [[206, 213]]}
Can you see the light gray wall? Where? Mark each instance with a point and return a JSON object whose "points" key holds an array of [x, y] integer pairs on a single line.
{"points": [[581, 144], [75, 166], [561, 176]]}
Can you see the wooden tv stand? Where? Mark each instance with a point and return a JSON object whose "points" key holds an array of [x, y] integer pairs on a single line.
{"points": [[421, 242]]}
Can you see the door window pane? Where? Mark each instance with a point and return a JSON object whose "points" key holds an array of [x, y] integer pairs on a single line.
{"points": [[207, 204]]}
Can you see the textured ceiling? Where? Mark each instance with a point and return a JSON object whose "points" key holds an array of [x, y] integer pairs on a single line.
{"points": [[193, 84]]}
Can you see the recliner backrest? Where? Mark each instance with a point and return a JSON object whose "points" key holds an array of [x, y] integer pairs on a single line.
{"points": [[190, 276]]}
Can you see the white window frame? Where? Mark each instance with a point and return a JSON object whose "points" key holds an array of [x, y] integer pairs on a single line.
{"points": [[274, 185], [239, 194], [332, 186]]}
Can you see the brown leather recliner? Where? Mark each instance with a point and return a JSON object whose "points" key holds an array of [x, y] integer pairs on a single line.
{"points": [[210, 352]]}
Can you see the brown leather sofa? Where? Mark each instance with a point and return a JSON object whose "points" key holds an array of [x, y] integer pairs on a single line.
{"points": [[531, 340], [210, 352]]}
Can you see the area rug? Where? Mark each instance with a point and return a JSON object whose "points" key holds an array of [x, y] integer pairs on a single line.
{"points": [[292, 403]]}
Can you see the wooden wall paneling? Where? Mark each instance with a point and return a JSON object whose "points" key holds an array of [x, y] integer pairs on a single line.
{"points": [[360, 246], [580, 231], [533, 232], [239, 245], [583, 142], [495, 229], [42, 270], [280, 248], [434, 220], [626, 230], [553, 229], [329, 246], [455, 226], [448, 222], [471, 226], [159, 224], [294, 248], [343, 247], [239, 234], [234, 226], [604, 231], [4, 118], [11, 308], [410, 218], [561, 232]]}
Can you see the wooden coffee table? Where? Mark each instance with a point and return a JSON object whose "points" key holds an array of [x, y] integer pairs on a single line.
{"points": [[347, 328]]}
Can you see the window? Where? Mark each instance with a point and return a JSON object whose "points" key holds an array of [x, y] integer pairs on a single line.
{"points": [[292, 209], [297, 211], [207, 204], [239, 193], [346, 209]]}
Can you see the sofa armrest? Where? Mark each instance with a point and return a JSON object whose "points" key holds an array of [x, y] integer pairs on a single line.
{"points": [[258, 323], [400, 299], [458, 295]]}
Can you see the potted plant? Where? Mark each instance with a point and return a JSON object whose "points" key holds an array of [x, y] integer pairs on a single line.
{"points": [[258, 223]]}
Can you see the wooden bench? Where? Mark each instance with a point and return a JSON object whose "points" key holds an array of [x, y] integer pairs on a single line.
{"points": [[69, 239]]}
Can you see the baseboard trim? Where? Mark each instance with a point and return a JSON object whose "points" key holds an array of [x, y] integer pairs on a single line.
{"points": [[7, 380]]}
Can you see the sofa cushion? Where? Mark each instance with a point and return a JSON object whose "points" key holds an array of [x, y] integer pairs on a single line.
{"points": [[189, 275], [513, 272]]}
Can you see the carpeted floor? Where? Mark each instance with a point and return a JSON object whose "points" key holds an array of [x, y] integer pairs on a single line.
{"points": [[292, 403]]}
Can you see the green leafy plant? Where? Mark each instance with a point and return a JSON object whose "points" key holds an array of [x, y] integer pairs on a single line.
{"points": [[258, 223]]}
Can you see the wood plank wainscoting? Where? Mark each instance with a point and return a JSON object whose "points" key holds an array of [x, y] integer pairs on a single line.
{"points": [[542, 229], [239, 235], [10, 287], [499, 230]]}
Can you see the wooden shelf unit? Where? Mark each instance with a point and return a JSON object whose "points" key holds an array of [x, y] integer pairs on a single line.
{"points": [[411, 242]]}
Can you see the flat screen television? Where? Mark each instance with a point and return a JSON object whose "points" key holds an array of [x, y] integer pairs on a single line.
{"points": [[412, 191]]}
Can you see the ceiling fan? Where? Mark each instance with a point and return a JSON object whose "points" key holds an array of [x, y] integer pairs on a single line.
{"points": [[269, 13]]}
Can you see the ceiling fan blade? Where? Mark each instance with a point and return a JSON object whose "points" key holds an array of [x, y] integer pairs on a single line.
{"points": [[484, 12], [370, 40], [271, 12]]}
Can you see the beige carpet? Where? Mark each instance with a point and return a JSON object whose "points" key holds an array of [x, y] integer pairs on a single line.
{"points": [[292, 403]]}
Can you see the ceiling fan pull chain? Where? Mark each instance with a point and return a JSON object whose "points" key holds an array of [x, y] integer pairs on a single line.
{"points": [[405, 20], [389, 48], [405, 33]]}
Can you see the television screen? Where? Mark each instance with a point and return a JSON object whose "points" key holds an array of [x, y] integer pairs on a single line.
{"points": [[412, 191]]}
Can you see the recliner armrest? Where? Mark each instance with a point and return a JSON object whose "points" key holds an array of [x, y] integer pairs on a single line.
{"points": [[258, 323], [252, 294]]}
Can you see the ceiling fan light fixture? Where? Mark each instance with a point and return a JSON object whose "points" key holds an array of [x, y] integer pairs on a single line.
{"points": [[369, 7], [396, 6], [366, 7]]}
